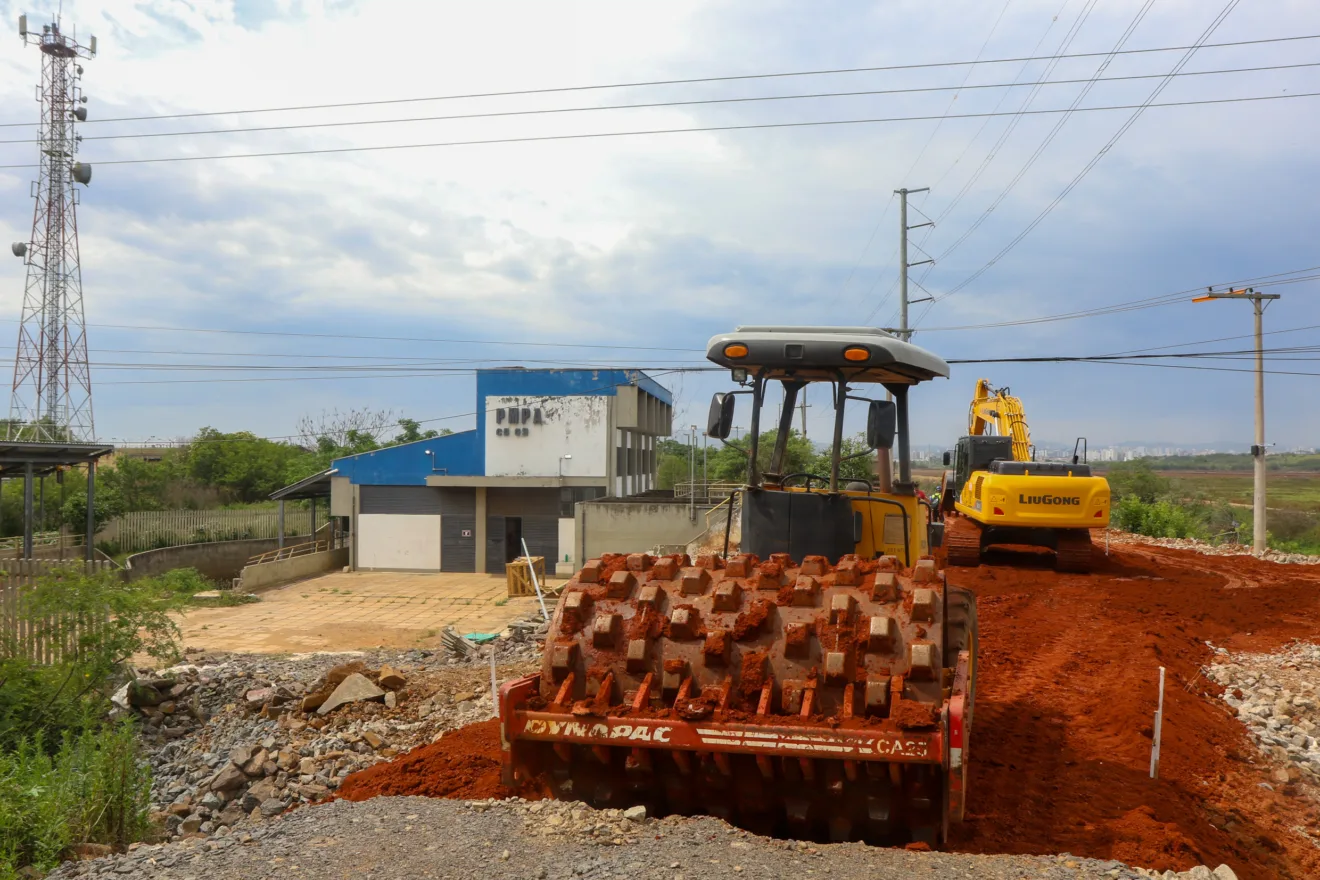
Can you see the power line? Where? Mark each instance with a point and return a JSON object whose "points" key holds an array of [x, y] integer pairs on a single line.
{"points": [[1127, 124], [695, 130], [306, 335], [663, 104], [1067, 40], [917, 161], [671, 82], [1053, 132], [1219, 339], [1132, 305], [429, 421]]}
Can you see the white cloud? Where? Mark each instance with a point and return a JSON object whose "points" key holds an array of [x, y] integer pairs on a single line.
{"points": [[668, 236]]}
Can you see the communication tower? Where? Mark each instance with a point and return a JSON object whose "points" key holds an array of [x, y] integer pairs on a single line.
{"points": [[52, 392]]}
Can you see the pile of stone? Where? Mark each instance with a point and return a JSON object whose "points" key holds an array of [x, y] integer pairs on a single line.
{"points": [[1207, 549], [550, 818], [239, 738], [1200, 872], [1275, 695]]}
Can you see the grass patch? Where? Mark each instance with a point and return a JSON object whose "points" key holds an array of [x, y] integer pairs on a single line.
{"points": [[94, 789]]}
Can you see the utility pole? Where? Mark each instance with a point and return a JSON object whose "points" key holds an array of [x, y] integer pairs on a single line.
{"points": [[802, 405], [904, 331], [1258, 304]]}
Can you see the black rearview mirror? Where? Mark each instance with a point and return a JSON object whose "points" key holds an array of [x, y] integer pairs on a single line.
{"points": [[948, 459], [719, 424], [880, 424]]}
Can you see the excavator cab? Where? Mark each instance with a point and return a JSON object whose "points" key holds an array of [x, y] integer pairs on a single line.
{"points": [[823, 514]]}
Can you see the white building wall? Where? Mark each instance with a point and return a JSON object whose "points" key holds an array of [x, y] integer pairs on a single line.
{"points": [[555, 427], [398, 541], [567, 547]]}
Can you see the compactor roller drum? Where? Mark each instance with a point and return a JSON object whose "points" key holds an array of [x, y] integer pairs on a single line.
{"points": [[791, 697]]}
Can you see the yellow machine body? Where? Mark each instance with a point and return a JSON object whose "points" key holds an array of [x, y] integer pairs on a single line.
{"points": [[1035, 501], [882, 532]]}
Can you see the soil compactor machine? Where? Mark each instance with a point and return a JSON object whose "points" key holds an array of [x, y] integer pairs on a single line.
{"points": [[997, 494], [817, 685]]}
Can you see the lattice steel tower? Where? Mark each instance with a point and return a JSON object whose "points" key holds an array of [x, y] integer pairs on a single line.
{"points": [[52, 391]]}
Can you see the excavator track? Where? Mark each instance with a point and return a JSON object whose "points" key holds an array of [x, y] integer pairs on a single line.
{"points": [[962, 541], [804, 700], [1073, 551]]}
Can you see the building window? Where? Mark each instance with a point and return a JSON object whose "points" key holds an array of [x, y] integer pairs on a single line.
{"points": [[571, 495]]}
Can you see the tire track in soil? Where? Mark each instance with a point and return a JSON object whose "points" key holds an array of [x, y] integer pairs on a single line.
{"points": [[1066, 694]]}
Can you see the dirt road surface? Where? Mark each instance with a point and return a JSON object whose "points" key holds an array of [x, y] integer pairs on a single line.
{"points": [[1066, 694], [1067, 690], [407, 838]]}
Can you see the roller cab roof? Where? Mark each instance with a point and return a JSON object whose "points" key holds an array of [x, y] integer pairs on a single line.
{"points": [[822, 354]]}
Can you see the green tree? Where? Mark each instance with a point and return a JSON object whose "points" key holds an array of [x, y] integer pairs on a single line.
{"points": [[410, 432], [1138, 480], [242, 464], [729, 462], [860, 466]]}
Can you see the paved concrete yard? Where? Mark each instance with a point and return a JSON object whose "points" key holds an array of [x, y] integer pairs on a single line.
{"points": [[354, 610]]}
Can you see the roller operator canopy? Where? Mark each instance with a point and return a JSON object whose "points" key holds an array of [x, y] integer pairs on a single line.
{"points": [[823, 354]]}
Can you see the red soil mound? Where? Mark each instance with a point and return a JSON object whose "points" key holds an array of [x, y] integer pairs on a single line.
{"points": [[464, 764]]}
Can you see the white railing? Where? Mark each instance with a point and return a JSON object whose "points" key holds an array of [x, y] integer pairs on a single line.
{"points": [[705, 492], [152, 529]]}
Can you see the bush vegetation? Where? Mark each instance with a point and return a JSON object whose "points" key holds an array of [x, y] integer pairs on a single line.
{"points": [[1149, 503], [69, 773]]}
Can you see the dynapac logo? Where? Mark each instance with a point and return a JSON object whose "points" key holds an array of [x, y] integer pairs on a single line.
{"points": [[601, 730], [1048, 499]]}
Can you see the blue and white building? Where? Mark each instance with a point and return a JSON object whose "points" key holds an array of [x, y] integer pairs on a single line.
{"points": [[545, 440]]}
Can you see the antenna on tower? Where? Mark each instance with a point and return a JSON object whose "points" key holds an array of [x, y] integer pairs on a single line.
{"points": [[51, 399]]}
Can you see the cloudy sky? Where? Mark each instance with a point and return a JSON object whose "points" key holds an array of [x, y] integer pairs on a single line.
{"points": [[632, 250]]}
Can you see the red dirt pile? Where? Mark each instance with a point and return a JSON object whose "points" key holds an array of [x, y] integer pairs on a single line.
{"points": [[464, 764]]}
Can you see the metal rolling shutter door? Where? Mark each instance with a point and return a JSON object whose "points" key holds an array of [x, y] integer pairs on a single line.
{"points": [[542, 536], [458, 552]]}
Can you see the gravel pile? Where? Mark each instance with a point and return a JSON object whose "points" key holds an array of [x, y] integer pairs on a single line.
{"points": [[1208, 549], [1275, 695], [397, 838], [237, 739]]}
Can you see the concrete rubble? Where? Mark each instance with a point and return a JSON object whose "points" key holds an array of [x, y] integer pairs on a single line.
{"points": [[1200, 872], [1207, 549], [1277, 696], [237, 739]]}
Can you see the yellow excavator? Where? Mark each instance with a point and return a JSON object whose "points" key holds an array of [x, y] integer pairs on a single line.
{"points": [[997, 494]]}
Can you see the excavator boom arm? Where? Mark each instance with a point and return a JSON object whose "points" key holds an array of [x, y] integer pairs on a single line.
{"points": [[995, 411]]}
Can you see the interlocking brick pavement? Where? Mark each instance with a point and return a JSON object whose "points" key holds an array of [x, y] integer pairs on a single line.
{"points": [[356, 610]]}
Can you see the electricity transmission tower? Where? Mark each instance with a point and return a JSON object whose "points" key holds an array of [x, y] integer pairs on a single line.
{"points": [[51, 398]]}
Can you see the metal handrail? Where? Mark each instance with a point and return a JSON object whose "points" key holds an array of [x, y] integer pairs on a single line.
{"points": [[305, 549], [704, 490]]}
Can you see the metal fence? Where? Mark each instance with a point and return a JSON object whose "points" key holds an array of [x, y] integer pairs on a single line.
{"points": [[42, 638], [705, 493], [152, 529]]}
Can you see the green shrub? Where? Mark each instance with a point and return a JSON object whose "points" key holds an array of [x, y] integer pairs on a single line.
{"points": [[1159, 519], [95, 788], [117, 620], [1137, 479]]}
